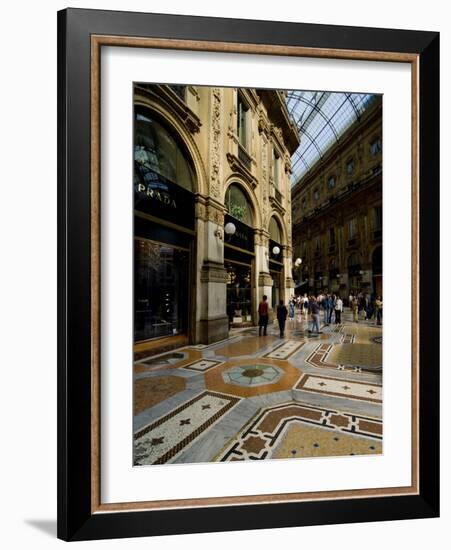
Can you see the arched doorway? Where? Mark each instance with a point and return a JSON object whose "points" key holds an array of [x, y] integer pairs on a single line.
{"points": [[376, 261], [275, 260], [239, 256], [164, 228]]}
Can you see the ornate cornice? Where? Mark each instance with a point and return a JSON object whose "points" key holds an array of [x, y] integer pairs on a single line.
{"points": [[237, 166], [276, 205]]}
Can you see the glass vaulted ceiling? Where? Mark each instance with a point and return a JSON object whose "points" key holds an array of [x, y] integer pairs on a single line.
{"points": [[321, 118]]}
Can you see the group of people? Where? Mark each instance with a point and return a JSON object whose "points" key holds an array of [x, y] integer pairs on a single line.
{"points": [[365, 307], [263, 316], [331, 305]]}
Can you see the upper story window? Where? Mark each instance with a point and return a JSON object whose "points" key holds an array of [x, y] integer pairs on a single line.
{"points": [[304, 203], [331, 182], [331, 236], [275, 233], [375, 146], [242, 122], [179, 90], [352, 228], [350, 165], [276, 169], [316, 194]]}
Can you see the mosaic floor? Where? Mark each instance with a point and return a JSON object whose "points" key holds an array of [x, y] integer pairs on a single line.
{"points": [[255, 398]]}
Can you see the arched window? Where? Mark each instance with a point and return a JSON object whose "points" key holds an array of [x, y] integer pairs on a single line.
{"points": [[275, 232], [238, 204], [159, 155]]}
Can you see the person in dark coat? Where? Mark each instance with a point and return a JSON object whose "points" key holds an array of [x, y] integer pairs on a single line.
{"points": [[282, 313], [263, 316]]}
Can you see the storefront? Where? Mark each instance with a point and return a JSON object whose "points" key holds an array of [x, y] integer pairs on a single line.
{"points": [[239, 257], [164, 230], [275, 261]]}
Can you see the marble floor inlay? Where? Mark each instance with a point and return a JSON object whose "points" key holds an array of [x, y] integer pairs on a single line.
{"points": [[284, 350], [252, 375], [252, 397], [150, 391], [341, 388], [202, 365], [302, 441], [268, 429], [165, 438]]}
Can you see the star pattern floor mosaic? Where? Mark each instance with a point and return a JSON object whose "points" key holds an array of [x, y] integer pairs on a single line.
{"points": [[257, 398]]}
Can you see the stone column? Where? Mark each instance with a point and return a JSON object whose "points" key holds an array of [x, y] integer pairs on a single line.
{"points": [[287, 274], [344, 284], [367, 278], [213, 323], [264, 279]]}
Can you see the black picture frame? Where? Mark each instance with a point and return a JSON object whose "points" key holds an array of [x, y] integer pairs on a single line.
{"points": [[76, 520]]}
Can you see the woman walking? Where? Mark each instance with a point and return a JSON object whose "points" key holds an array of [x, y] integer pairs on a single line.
{"points": [[338, 309], [378, 308]]}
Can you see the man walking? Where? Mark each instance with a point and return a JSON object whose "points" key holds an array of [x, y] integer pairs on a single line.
{"points": [[263, 316], [282, 317], [314, 311], [327, 309]]}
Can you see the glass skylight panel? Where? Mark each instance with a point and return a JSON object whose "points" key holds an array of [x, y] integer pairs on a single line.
{"points": [[321, 118]]}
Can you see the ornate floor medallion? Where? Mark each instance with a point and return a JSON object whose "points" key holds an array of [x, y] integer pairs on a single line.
{"points": [[252, 375]]}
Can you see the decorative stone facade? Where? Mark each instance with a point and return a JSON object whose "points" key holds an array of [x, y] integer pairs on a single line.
{"points": [[241, 137]]}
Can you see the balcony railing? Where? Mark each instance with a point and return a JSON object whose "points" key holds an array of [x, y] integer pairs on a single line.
{"points": [[244, 157]]}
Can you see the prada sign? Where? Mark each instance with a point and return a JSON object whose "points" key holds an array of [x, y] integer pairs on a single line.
{"points": [[165, 200], [156, 194]]}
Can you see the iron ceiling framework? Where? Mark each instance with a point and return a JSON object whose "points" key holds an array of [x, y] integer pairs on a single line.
{"points": [[321, 119]]}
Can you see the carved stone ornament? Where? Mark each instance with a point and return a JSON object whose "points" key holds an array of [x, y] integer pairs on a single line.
{"points": [[213, 272], [238, 167], [215, 143], [264, 279], [216, 215]]}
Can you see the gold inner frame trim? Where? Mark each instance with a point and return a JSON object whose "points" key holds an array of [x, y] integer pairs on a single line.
{"points": [[97, 41]]}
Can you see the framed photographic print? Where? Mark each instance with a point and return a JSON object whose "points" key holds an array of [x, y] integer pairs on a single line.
{"points": [[248, 267]]}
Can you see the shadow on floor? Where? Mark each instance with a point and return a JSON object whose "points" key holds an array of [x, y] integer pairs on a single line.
{"points": [[47, 526]]}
